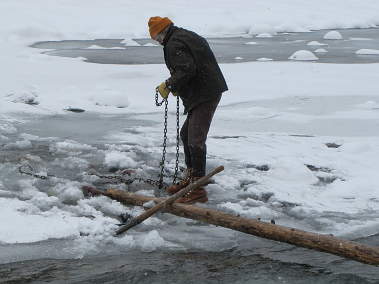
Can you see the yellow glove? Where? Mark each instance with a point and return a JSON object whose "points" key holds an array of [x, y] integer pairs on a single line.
{"points": [[163, 90]]}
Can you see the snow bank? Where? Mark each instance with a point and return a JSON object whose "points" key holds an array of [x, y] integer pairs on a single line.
{"points": [[303, 55]]}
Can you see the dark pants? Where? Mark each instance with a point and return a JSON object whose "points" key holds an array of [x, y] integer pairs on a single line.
{"points": [[194, 135]]}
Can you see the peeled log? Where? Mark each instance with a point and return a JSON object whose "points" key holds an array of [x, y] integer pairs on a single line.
{"points": [[319, 242]]}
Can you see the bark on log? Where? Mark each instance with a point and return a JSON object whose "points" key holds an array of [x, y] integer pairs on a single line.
{"points": [[166, 202], [319, 242]]}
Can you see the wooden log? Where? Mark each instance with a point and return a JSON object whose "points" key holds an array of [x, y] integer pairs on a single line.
{"points": [[166, 202], [319, 242]]}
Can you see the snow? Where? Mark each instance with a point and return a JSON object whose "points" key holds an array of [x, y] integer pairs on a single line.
{"points": [[251, 43], [130, 42], [119, 160], [22, 144], [367, 52], [238, 58], [19, 226], [264, 59], [264, 35], [360, 38], [303, 55], [94, 46], [150, 44], [321, 50], [256, 111], [333, 35], [69, 146], [315, 43], [26, 97], [151, 241]]}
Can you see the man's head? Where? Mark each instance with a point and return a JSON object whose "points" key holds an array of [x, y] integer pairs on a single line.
{"points": [[158, 27]]}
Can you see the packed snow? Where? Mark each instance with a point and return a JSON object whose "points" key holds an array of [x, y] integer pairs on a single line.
{"points": [[264, 141], [303, 55]]}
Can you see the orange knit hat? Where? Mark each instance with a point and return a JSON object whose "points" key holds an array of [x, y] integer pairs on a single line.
{"points": [[158, 24]]}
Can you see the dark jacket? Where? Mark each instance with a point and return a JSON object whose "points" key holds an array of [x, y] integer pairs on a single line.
{"points": [[195, 74]]}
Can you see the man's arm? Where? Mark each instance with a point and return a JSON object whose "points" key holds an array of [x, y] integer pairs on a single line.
{"points": [[183, 66]]}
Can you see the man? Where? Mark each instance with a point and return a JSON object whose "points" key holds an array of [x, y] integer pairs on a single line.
{"points": [[197, 79]]}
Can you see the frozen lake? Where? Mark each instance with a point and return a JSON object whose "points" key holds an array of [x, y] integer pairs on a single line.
{"points": [[318, 151]]}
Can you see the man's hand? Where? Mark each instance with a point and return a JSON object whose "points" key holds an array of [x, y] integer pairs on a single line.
{"points": [[163, 90]]}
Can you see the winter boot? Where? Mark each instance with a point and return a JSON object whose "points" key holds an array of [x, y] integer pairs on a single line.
{"points": [[182, 184], [197, 195]]}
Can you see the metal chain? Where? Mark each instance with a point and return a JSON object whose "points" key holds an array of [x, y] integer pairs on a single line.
{"points": [[121, 179], [157, 103], [177, 140], [31, 172], [165, 101]]}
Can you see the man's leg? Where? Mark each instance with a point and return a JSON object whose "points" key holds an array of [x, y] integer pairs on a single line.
{"points": [[194, 135], [184, 138], [187, 156], [199, 123]]}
